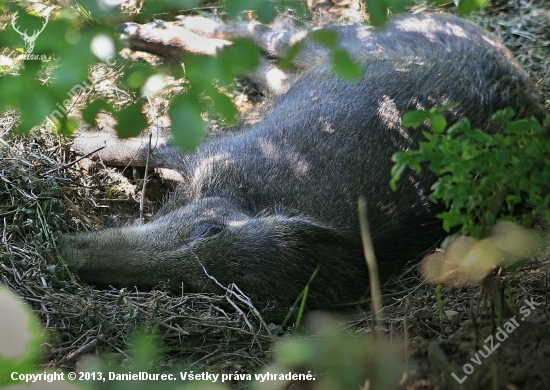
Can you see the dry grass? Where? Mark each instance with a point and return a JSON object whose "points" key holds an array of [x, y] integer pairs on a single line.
{"points": [[41, 198], [523, 26]]}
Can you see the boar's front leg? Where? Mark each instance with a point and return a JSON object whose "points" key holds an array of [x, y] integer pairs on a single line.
{"points": [[102, 143]]}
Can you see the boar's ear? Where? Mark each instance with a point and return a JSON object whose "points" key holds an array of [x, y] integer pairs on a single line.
{"points": [[310, 231]]}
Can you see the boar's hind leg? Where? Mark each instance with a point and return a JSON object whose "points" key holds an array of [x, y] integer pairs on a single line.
{"points": [[200, 35], [196, 34]]}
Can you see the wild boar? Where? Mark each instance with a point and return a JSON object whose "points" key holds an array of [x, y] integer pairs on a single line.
{"points": [[263, 207]]}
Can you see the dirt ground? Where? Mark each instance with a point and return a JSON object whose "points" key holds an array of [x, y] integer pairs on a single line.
{"points": [[44, 193]]}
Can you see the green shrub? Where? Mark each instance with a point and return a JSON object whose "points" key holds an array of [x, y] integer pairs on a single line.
{"points": [[482, 176]]}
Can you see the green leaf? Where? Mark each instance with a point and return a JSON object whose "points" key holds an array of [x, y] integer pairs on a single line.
{"points": [[240, 58], [35, 106], [329, 38], [295, 352], [90, 112], [187, 123], [502, 117], [432, 138], [377, 12], [266, 12], [397, 171], [153, 8], [131, 121], [203, 70], [233, 7], [482, 137], [287, 61], [517, 127], [467, 6], [146, 348], [76, 59], [344, 66], [523, 126], [136, 75], [224, 106], [439, 123], [264, 9], [458, 128], [503, 156], [296, 7], [100, 11], [451, 219], [85, 13], [414, 119]]}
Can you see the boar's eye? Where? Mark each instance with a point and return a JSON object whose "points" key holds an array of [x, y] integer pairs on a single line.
{"points": [[208, 231]]}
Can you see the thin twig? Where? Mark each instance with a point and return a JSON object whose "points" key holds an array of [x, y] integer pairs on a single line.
{"points": [[368, 250], [71, 163], [142, 198], [240, 297], [88, 345], [218, 349]]}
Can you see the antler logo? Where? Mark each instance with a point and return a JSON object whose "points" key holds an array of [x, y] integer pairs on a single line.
{"points": [[29, 40]]}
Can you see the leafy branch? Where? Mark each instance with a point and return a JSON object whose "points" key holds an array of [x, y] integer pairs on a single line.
{"points": [[481, 176]]}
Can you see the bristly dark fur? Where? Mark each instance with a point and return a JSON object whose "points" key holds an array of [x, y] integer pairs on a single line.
{"points": [[265, 206]]}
